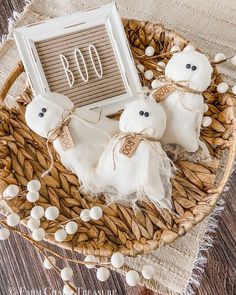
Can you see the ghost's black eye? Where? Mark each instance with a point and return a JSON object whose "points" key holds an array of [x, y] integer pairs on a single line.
{"points": [[188, 66], [146, 114], [41, 115], [194, 68], [141, 113], [43, 110]]}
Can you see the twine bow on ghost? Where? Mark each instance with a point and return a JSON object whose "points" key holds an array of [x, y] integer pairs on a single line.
{"points": [[62, 132], [131, 143], [169, 86]]}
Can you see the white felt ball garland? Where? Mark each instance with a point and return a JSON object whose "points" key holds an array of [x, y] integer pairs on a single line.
{"points": [[71, 227], [219, 57], [33, 223], [38, 234], [233, 60], [49, 262], [37, 212], [51, 213], [102, 274], [67, 273], [60, 235], [11, 191], [117, 260], [13, 219], [96, 213], [90, 258], [4, 233], [33, 186], [132, 278], [206, 121], [149, 51], [222, 87], [175, 48], [85, 215], [67, 290], [32, 197], [148, 74], [148, 271], [140, 67], [155, 84]]}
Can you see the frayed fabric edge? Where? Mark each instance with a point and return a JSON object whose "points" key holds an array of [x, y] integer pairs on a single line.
{"points": [[208, 241], [12, 22]]}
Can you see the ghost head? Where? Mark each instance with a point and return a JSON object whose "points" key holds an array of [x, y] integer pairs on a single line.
{"points": [[143, 116], [190, 66], [45, 111]]}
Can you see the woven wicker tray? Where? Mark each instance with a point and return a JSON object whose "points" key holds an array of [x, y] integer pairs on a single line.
{"points": [[196, 186]]}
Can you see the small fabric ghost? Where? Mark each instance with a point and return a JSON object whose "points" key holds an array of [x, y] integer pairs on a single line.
{"points": [[90, 134], [147, 172], [185, 109]]}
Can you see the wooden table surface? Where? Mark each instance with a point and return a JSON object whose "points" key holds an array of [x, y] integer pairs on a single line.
{"points": [[21, 270]]}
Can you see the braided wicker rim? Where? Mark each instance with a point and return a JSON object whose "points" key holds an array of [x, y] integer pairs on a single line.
{"points": [[196, 186]]}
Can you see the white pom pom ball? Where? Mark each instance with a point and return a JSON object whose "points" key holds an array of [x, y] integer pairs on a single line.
{"points": [[38, 234], [102, 274], [13, 219], [37, 212], [222, 87], [90, 258], [85, 215], [206, 121], [155, 84], [71, 227], [189, 47], [206, 107], [160, 66], [96, 213], [175, 48], [234, 89], [33, 223], [60, 235], [233, 60], [67, 273], [149, 51], [132, 278], [11, 191], [140, 67], [148, 74], [32, 197], [67, 290], [33, 186], [51, 213], [219, 57], [49, 262], [4, 233], [145, 88], [117, 260], [148, 272]]}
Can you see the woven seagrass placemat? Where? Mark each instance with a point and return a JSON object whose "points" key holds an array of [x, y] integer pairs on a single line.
{"points": [[174, 263]]}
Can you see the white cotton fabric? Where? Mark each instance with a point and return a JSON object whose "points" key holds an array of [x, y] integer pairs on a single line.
{"points": [[147, 172], [90, 135], [184, 110]]}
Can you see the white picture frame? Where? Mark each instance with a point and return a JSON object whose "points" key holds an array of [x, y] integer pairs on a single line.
{"points": [[36, 41]]}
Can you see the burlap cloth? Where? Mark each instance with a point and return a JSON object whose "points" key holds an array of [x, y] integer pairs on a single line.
{"points": [[209, 24]]}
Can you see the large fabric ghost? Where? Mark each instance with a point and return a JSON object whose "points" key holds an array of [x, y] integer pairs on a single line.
{"points": [[147, 172], [90, 133], [184, 110]]}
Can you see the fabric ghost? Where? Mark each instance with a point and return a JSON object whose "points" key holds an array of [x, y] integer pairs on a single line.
{"points": [[185, 110], [147, 172], [90, 135]]}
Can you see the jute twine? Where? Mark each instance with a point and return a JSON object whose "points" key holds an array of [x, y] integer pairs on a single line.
{"points": [[196, 186]]}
